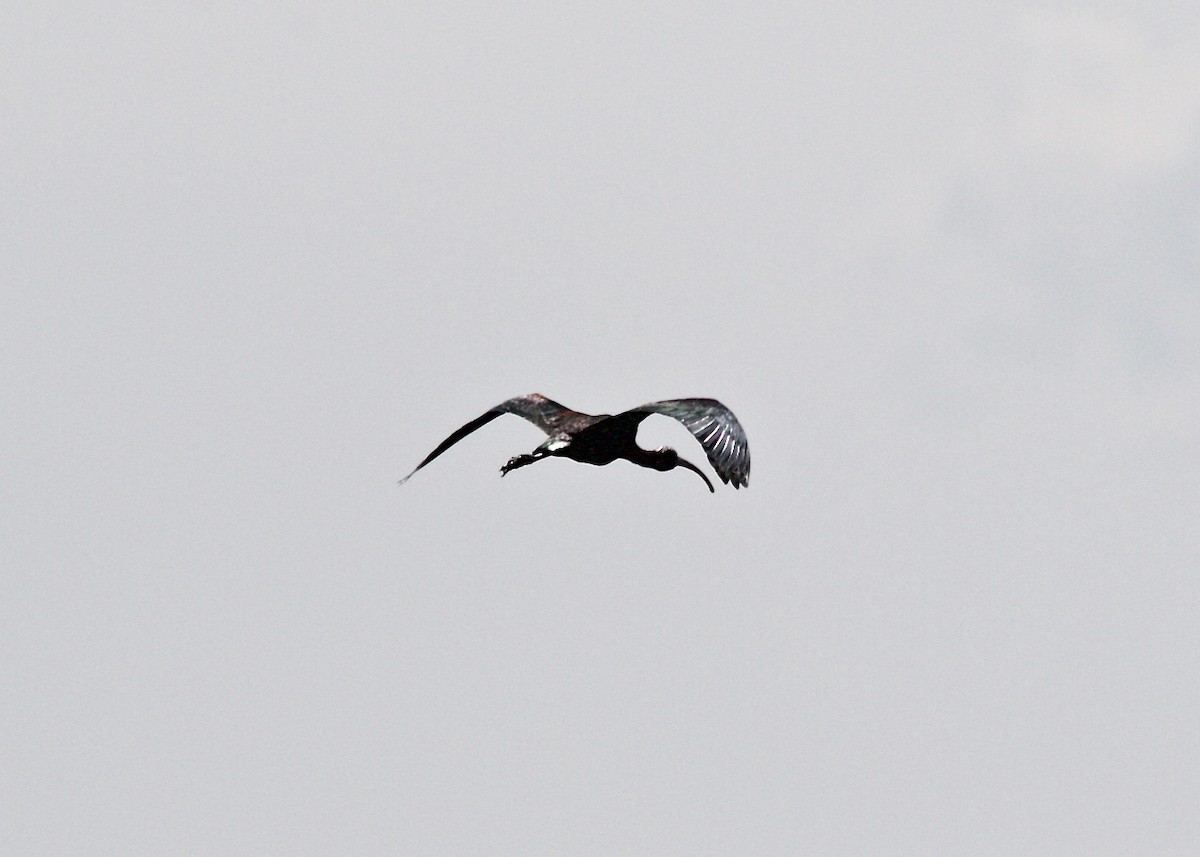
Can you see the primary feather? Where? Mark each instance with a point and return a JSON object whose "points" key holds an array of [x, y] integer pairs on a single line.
{"points": [[717, 429], [599, 439]]}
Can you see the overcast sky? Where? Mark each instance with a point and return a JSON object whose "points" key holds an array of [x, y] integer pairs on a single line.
{"points": [[943, 262]]}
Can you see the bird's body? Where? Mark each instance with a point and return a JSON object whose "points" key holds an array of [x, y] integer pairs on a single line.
{"points": [[601, 439]]}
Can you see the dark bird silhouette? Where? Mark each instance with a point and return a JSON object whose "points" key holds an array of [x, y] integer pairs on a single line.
{"points": [[603, 438]]}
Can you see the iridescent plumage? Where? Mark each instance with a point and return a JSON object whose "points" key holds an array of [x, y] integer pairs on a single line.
{"points": [[601, 439]]}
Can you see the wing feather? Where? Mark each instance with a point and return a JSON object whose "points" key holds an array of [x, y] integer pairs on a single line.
{"points": [[544, 413], [717, 430]]}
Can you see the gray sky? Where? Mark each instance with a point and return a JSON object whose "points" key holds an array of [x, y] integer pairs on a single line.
{"points": [[942, 263]]}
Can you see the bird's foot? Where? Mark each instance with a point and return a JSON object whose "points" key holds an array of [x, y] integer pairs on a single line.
{"points": [[515, 462]]}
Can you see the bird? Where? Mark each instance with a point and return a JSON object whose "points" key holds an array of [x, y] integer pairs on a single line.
{"points": [[600, 439]]}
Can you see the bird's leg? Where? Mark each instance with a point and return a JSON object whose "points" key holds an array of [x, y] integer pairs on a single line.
{"points": [[517, 461], [553, 446], [522, 460]]}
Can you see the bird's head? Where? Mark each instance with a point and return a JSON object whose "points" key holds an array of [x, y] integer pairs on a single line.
{"points": [[668, 459]]}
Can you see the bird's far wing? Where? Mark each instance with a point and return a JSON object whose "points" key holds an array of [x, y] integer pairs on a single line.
{"points": [[542, 412], [718, 431]]}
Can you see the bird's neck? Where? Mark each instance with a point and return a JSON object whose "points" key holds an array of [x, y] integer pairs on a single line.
{"points": [[656, 459]]}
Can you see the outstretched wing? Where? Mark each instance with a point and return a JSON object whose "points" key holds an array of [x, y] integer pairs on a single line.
{"points": [[544, 413], [717, 429]]}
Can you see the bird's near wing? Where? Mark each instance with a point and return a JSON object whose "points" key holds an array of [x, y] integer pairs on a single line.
{"points": [[717, 429], [544, 413]]}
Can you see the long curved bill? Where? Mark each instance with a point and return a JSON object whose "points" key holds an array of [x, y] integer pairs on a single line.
{"points": [[683, 462]]}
